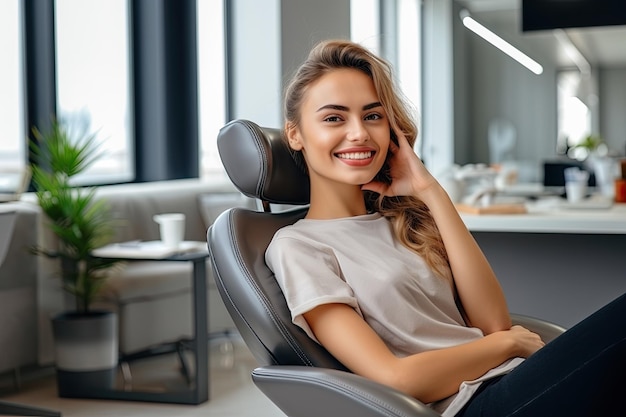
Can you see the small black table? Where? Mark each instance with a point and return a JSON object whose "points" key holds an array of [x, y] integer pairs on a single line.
{"points": [[198, 392]]}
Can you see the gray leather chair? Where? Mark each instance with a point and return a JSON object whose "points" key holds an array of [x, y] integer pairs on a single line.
{"points": [[296, 373]]}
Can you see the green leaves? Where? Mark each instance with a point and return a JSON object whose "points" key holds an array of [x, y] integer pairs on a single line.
{"points": [[590, 143], [77, 218], [65, 156]]}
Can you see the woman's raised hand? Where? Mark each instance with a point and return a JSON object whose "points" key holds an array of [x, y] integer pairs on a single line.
{"points": [[409, 176]]}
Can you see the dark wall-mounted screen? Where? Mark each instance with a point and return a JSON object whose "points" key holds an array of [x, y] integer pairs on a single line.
{"points": [[553, 14]]}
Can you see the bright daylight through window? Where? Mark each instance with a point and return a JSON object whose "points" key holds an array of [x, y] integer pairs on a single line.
{"points": [[211, 85], [12, 119], [574, 116], [93, 82]]}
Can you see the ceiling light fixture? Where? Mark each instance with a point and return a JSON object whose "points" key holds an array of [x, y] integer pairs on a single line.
{"points": [[500, 43], [572, 52]]}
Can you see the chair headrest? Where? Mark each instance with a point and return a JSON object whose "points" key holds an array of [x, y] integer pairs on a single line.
{"points": [[260, 164]]}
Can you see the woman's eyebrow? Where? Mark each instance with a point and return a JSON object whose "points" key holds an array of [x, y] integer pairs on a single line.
{"points": [[345, 108], [372, 105]]}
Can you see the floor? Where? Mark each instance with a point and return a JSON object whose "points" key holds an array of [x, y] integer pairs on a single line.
{"points": [[232, 392]]}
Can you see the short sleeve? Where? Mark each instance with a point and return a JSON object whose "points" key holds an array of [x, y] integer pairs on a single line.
{"points": [[309, 276]]}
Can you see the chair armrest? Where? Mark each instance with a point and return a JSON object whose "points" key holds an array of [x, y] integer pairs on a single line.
{"points": [[548, 331], [303, 391]]}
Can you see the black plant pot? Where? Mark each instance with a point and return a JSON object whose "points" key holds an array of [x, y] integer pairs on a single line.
{"points": [[86, 350]]}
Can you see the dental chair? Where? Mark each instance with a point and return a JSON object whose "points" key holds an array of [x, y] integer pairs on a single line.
{"points": [[297, 374]]}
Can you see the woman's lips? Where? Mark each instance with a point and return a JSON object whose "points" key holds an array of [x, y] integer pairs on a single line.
{"points": [[357, 158]]}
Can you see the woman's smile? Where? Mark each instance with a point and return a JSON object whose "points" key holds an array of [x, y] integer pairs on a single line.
{"points": [[356, 157]]}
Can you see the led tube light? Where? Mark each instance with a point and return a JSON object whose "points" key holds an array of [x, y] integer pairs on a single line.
{"points": [[572, 52], [500, 43]]}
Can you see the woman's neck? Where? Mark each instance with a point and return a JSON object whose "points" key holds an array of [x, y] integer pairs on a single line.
{"points": [[336, 203]]}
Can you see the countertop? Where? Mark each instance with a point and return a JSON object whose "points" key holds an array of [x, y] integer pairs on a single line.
{"points": [[555, 216]]}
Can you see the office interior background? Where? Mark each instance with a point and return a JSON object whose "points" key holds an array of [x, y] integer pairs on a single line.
{"points": [[157, 79]]}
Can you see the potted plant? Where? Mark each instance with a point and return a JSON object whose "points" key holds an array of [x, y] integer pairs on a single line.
{"points": [[85, 339], [591, 145]]}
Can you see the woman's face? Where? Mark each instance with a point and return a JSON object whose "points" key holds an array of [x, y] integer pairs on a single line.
{"points": [[344, 131]]}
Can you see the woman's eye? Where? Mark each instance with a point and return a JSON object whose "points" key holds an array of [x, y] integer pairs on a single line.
{"points": [[373, 116], [332, 119]]}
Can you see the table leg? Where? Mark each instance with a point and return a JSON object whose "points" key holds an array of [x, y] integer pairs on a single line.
{"points": [[201, 336]]}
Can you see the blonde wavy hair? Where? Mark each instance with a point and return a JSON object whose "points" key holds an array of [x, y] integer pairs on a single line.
{"points": [[412, 221]]}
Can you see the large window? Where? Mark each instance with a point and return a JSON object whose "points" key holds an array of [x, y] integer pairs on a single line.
{"points": [[574, 116], [12, 119], [365, 24], [93, 82], [211, 85], [409, 50]]}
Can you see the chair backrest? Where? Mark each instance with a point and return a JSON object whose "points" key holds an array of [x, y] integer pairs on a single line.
{"points": [[261, 166]]}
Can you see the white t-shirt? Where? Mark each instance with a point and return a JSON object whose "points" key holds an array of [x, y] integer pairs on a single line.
{"points": [[358, 261]]}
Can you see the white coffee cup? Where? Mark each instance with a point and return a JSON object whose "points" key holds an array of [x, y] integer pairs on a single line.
{"points": [[575, 184], [172, 228], [575, 191]]}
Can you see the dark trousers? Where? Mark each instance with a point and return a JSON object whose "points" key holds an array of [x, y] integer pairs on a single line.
{"points": [[580, 373]]}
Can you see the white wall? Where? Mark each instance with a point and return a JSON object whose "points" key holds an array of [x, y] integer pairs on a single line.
{"points": [[612, 108]]}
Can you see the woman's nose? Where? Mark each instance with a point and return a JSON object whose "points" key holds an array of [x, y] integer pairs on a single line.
{"points": [[358, 132]]}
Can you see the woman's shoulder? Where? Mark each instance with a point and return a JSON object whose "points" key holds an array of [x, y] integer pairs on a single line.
{"points": [[297, 234], [298, 246]]}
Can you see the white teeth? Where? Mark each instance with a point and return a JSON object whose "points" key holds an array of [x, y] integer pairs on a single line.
{"points": [[355, 155]]}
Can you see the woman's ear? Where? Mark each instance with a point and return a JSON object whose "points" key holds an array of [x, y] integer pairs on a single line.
{"points": [[293, 136]]}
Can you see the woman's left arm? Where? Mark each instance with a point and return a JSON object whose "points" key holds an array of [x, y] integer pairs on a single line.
{"points": [[478, 288]]}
